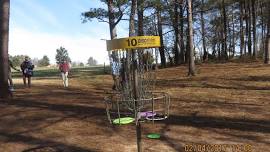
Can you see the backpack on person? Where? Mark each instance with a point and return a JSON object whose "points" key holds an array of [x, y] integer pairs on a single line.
{"points": [[27, 68]]}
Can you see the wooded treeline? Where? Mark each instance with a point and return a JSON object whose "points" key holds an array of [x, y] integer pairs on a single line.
{"points": [[220, 29]]}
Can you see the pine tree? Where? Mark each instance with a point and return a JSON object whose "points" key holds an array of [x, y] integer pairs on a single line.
{"points": [[4, 33], [62, 55], [191, 71]]}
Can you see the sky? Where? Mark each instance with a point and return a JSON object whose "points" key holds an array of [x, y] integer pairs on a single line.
{"points": [[39, 27]]}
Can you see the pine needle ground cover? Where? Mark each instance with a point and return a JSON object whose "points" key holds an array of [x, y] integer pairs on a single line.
{"points": [[223, 104]]}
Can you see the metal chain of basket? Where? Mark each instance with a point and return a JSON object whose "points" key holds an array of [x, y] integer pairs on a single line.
{"points": [[121, 101]]}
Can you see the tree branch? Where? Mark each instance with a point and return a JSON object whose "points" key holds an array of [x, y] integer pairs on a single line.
{"points": [[167, 32], [120, 17]]}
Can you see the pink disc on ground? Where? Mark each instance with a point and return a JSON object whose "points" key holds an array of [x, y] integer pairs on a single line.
{"points": [[147, 114]]}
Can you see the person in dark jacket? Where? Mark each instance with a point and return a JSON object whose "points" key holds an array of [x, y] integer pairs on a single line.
{"points": [[27, 70], [64, 68]]}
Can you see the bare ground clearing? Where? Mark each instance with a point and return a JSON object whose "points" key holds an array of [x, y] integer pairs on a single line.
{"points": [[224, 104]]}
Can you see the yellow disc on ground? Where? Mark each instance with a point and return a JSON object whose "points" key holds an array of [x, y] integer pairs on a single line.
{"points": [[133, 42], [123, 121]]}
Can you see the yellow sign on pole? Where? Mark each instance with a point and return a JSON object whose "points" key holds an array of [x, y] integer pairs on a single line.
{"points": [[133, 42]]}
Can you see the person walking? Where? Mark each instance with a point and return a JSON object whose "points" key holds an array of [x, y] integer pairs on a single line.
{"points": [[64, 68], [11, 86], [27, 71]]}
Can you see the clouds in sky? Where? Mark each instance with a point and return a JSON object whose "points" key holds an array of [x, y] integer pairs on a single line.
{"points": [[39, 27], [32, 15], [37, 44]]}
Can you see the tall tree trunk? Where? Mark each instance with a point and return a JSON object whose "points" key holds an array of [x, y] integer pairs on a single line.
{"points": [[135, 88], [205, 52], [233, 36], [156, 49], [160, 32], [112, 24], [254, 29], [247, 25], [249, 30], [132, 17], [187, 44], [176, 31], [4, 27], [134, 64], [214, 51], [267, 45], [242, 37], [182, 46], [267, 41], [262, 26], [191, 68], [111, 20], [224, 32], [132, 32], [230, 39], [140, 10], [219, 51]]}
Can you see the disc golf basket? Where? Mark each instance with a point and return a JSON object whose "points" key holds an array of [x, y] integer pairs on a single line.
{"points": [[155, 107], [133, 98]]}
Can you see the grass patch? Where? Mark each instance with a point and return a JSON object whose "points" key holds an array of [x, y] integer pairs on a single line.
{"points": [[79, 72]]}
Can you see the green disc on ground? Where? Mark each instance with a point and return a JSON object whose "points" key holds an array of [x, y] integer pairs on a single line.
{"points": [[153, 136], [123, 121]]}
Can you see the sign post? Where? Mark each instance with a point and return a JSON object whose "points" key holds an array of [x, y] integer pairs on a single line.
{"points": [[133, 43]]}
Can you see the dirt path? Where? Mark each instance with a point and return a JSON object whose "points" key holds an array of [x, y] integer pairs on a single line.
{"points": [[224, 104]]}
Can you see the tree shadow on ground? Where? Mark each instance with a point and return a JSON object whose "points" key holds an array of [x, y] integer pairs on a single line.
{"points": [[259, 126], [204, 83], [72, 110], [221, 103], [238, 137], [66, 111], [251, 78], [58, 110], [57, 146], [172, 142], [232, 128], [237, 86]]}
